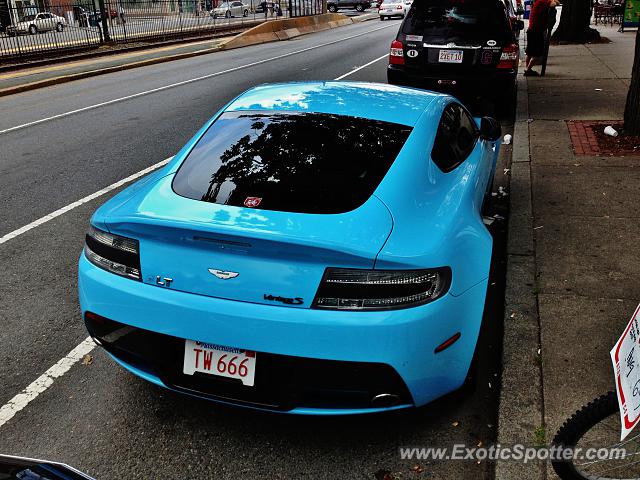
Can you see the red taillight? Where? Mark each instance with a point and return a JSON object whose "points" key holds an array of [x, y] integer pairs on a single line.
{"points": [[510, 56], [396, 57]]}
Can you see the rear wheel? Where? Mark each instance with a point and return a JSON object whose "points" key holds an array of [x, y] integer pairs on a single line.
{"points": [[59, 27], [245, 13], [228, 14], [33, 30], [359, 8], [332, 8], [381, 18]]}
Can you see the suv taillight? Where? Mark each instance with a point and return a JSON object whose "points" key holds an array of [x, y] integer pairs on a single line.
{"points": [[396, 57], [510, 56], [353, 289], [116, 254]]}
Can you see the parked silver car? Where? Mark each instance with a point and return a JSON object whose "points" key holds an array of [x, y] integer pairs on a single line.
{"points": [[40, 22], [394, 8], [230, 9]]}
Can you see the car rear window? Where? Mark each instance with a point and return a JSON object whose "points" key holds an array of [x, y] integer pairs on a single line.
{"points": [[290, 161], [460, 21]]}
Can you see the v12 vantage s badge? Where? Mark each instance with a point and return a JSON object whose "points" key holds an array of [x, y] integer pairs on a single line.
{"points": [[285, 300]]}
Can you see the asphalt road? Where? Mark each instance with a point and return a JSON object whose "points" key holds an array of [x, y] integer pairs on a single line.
{"points": [[111, 424]]}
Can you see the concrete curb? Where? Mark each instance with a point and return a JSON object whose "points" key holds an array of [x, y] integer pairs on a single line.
{"points": [[286, 29], [101, 51], [94, 73], [521, 408]]}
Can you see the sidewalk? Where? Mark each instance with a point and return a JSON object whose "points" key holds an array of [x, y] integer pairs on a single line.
{"points": [[573, 277]]}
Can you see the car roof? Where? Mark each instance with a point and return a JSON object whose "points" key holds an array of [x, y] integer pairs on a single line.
{"points": [[376, 101]]}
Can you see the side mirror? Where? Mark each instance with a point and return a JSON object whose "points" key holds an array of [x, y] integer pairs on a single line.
{"points": [[490, 129], [519, 25]]}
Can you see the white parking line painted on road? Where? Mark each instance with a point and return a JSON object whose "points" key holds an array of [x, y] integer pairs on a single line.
{"points": [[357, 69], [44, 381], [77, 203], [184, 82]]}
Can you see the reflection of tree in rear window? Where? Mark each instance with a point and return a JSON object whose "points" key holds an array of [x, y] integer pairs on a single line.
{"points": [[471, 20], [293, 161]]}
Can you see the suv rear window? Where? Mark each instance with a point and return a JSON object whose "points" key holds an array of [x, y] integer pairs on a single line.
{"points": [[467, 21], [290, 161]]}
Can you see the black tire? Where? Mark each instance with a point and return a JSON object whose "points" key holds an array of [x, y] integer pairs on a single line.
{"points": [[359, 8], [332, 8], [245, 13], [59, 27], [381, 18], [577, 426], [228, 14], [33, 29]]}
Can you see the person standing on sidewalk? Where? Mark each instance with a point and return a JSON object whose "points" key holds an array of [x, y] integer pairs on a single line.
{"points": [[541, 12]]}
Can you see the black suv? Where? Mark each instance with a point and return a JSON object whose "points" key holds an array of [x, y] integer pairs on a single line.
{"points": [[461, 47], [360, 5]]}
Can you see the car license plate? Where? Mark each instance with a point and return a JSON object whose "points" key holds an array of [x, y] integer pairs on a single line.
{"points": [[219, 360], [389, 10], [450, 56]]}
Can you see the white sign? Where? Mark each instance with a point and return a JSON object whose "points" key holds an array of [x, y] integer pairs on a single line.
{"points": [[625, 357]]}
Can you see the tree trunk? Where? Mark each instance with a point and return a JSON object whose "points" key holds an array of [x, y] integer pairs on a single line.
{"points": [[632, 109], [574, 23]]}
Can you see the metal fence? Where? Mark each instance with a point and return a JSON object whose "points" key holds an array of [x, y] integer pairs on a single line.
{"points": [[28, 29], [37, 30]]}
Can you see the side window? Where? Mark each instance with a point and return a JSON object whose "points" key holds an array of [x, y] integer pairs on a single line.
{"points": [[455, 139]]}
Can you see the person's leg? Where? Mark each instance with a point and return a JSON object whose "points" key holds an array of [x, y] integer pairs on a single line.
{"points": [[531, 62]]}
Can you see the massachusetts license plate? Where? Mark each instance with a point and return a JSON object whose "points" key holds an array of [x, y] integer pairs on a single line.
{"points": [[450, 56], [219, 360]]}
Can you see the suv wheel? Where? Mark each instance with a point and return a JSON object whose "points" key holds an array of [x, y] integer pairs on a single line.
{"points": [[360, 7], [59, 27], [33, 30], [332, 8], [245, 13], [228, 14]]}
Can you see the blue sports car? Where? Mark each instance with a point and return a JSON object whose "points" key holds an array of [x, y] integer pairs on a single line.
{"points": [[316, 248]]}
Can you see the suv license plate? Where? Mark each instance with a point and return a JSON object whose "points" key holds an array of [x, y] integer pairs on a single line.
{"points": [[450, 56], [219, 360]]}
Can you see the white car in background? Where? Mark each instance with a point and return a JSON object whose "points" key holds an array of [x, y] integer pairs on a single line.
{"points": [[230, 9], [39, 22], [394, 8]]}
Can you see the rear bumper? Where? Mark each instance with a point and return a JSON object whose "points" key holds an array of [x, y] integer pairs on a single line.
{"points": [[492, 84], [402, 341]]}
